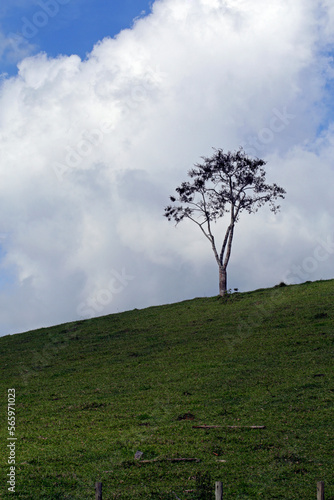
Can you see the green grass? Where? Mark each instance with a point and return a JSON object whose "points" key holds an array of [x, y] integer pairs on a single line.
{"points": [[89, 394]]}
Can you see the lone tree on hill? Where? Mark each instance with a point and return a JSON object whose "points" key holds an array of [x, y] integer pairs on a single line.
{"points": [[225, 183]]}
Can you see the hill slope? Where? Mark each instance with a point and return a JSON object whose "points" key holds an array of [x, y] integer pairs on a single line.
{"points": [[89, 394]]}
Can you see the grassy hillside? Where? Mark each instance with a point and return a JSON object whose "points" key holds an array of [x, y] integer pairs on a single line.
{"points": [[90, 394]]}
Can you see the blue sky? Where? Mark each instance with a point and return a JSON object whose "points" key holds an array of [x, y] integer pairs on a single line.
{"points": [[66, 27], [96, 133]]}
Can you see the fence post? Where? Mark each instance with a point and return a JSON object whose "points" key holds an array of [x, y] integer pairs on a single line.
{"points": [[98, 491], [219, 490], [321, 490]]}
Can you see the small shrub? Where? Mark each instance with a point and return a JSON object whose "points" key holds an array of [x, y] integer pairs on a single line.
{"points": [[280, 284]]}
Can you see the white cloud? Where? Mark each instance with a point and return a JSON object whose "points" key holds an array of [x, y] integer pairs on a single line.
{"points": [[14, 48], [90, 151]]}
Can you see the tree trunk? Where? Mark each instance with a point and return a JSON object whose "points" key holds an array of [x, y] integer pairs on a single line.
{"points": [[222, 280]]}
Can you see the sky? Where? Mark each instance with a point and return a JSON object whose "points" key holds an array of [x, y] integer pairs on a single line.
{"points": [[105, 106]]}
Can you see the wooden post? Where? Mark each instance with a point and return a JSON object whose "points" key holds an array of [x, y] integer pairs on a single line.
{"points": [[219, 490], [98, 491], [321, 490]]}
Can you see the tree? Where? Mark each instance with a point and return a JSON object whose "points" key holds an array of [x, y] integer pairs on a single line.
{"points": [[225, 183]]}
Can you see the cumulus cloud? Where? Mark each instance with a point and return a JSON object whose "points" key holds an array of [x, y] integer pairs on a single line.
{"points": [[91, 150]]}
